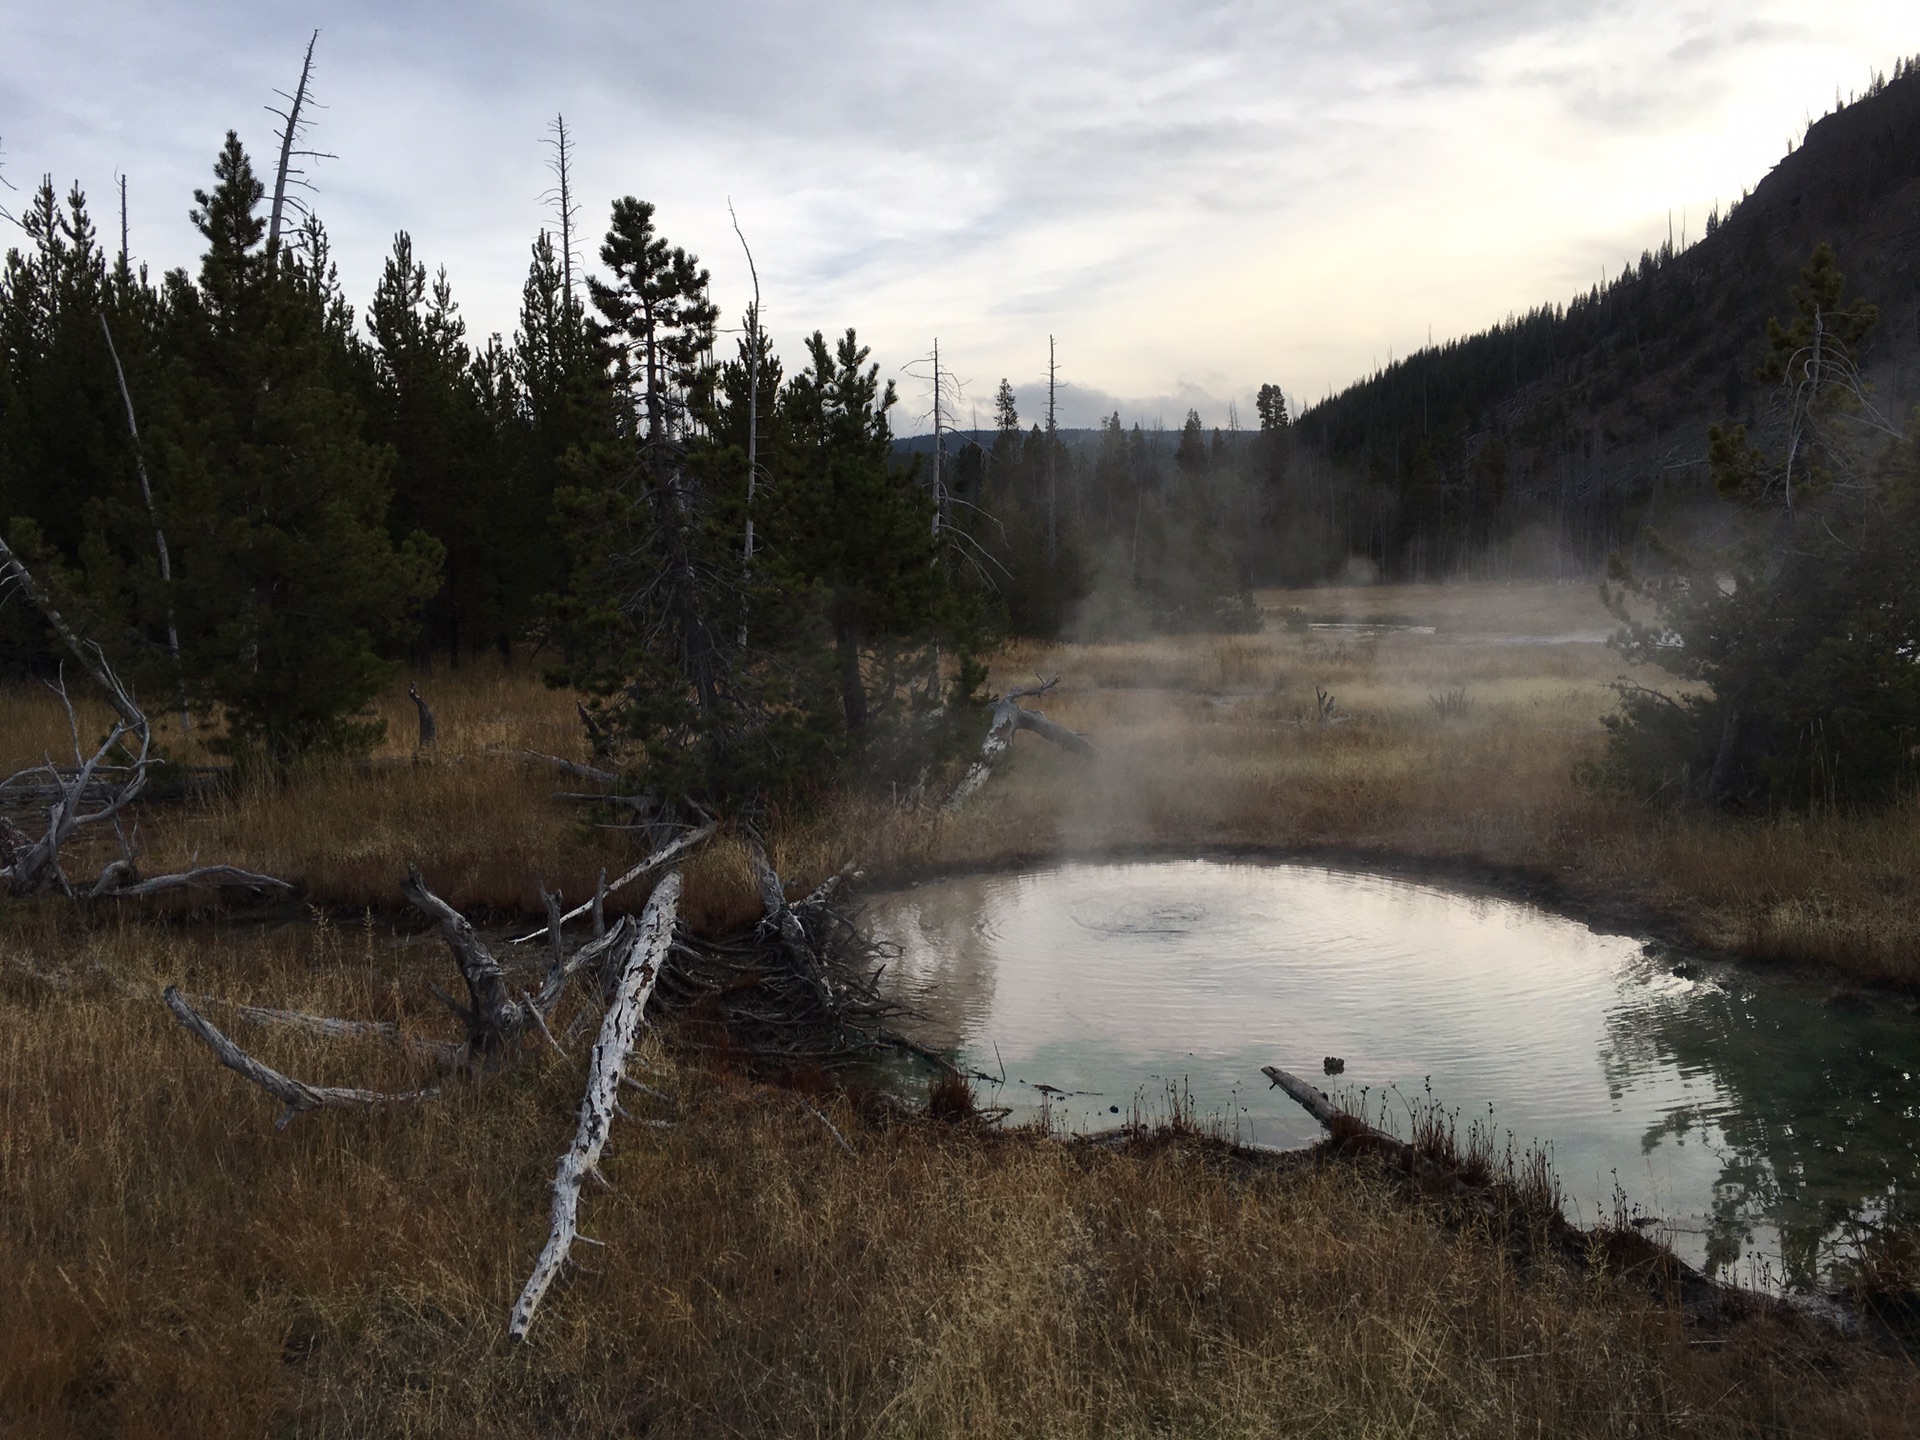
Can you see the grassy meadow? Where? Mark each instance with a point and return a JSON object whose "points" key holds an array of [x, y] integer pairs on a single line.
{"points": [[1455, 749], [179, 1267]]}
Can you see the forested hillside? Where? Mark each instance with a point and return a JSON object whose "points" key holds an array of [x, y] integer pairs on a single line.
{"points": [[1552, 439]]}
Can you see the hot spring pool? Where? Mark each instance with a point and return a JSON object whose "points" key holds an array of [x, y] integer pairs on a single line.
{"points": [[1755, 1117]]}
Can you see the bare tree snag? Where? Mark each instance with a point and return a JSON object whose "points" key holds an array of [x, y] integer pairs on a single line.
{"points": [[1010, 716], [35, 867], [778, 916], [289, 137], [91, 657], [645, 956], [146, 491], [296, 1095], [429, 729], [773, 899], [493, 1017], [662, 856]]}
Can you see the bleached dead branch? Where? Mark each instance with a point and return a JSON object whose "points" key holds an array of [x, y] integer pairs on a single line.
{"points": [[646, 954], [296, 1095], [664, 855], [1010, 716]]}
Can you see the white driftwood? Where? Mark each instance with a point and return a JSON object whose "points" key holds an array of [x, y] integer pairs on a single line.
{"points": [[1311, 1100], [566, 966], [296, 1095], [1010, 716], [334, 1028], [574, 768], [1316, 1104], [35, 867], [227, 877], [646, 953], [653, 862]]}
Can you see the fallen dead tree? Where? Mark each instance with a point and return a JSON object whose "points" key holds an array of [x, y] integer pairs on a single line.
{"points": [[97, 789], [793, 989], [640, 960], [667, 853], [296, 1095], [798, 990], [1524, 1211], [1008, 717], [32, 866]]}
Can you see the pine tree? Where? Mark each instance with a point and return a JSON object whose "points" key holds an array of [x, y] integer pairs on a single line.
{"points": [[847, 521], [448, 473], [290, 590], [1796, 638], [657, 595]]}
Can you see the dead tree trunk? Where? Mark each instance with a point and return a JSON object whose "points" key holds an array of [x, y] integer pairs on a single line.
{"points": [[296, 1095], [1009, 716], [288, 137], [492, 1016], [429, 728], [153, 515], [645, 958]]}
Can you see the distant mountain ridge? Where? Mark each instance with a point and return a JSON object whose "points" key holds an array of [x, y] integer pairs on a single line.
{"points": [[1571, 427]]}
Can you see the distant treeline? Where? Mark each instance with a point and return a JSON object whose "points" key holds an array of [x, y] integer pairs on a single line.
{"points": [[1120, 530]]}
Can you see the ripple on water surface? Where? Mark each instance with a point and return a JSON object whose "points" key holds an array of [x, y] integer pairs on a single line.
{"points": [[1751, 1117]]}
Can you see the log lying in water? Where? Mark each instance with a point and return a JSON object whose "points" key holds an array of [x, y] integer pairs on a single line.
{"points": [[646, 955], [1349, 1127]]}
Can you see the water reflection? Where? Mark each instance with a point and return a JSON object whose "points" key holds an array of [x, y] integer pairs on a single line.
{"points": [[1750, 1116]]}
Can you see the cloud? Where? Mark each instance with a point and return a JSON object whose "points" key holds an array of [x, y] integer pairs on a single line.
{"points": [[1195, 199]]}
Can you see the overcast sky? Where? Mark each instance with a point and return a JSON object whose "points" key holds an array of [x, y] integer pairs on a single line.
{"points": [[1193, 198]]}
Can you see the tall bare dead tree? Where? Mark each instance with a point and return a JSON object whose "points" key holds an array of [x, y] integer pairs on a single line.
{"points": [[146, 493], [1053, 450], [292, 130], [753, 396], [560, 196]]}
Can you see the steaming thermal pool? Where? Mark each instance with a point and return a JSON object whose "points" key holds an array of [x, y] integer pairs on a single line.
{"points": [[1753, 1116]]}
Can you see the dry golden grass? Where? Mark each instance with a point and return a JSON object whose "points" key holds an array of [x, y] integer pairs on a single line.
{"points": [[1209, 742], [178, 1267], [1203, 741]]}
